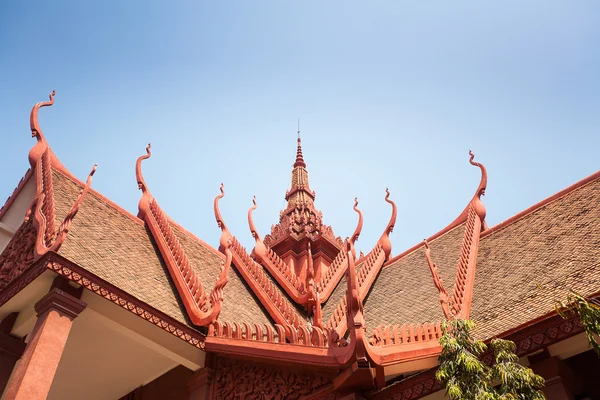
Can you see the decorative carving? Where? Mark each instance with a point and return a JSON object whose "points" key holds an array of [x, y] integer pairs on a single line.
{"points": [[19, 254], [439, 284], [466, 264], [302, 335], [284, 275], [240, 380], [330, 279], [300, 219], [186, 280], [476, 202], [201, 309], [20, 281], [385, 237], [63, 230], [275, 265], [146, 199], [365, 277], [465, 272], [268, 293], [407, 333], [226, 236], [359, 225], [41, 146], [43, 212]]}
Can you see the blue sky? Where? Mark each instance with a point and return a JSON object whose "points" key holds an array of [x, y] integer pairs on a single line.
{"points": [[388, 93]]}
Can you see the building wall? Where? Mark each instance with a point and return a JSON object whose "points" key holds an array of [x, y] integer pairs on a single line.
{"points": [[16, 213]]}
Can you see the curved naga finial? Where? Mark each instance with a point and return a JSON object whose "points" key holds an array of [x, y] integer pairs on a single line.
{"points": [[216, 294], [253, 230], [63, 230], [359, 226], [225, 234], [386, 244], [144, 203], [40, 147], [437, 281], [260, 250], [477, 204]]}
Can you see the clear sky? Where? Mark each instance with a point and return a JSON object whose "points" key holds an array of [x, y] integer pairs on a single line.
{"points": [[388, 94]]}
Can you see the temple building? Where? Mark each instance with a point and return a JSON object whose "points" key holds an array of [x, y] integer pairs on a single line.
{"points": [[98, 303]]}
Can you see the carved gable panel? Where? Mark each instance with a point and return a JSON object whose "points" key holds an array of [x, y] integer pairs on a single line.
{"points": [[18, 255], [236, 379]]}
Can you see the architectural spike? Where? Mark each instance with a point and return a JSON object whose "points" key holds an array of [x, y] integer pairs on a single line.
{"points": [[477, 204], [146, 199], [225, 234], [253, 230], [260, 250], [41, 146], [299, 158], [385, 237], [359, 226]]}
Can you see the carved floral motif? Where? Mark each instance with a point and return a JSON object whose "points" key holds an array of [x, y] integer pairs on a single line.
{"points": [[238, 380], [299, 223], [18, 255]]}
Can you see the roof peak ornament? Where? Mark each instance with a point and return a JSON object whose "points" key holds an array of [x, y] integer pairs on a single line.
{"points": [[439, 284], [385, 237], [359, 226], [476, 202], [260, 251], [299, 158], [144, 203], [41, 146], [225, 234]]}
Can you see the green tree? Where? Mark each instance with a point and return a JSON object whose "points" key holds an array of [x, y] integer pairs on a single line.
{"points": [[465, 376], [588, 314], [516, 381]]}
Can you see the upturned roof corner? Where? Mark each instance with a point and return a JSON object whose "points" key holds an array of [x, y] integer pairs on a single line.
{"points": [[146, 199], [42, 209], [459, 305]]}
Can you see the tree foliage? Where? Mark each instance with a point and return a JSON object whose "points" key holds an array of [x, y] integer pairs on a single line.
{"points": [[588, 314], [465, 376], [516, 381]]}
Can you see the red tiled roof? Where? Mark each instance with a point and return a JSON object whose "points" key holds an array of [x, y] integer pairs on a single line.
{"points": [[115, 246], [535, 260], [404, 291]]}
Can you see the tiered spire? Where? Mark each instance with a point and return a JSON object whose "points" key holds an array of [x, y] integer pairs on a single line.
{"points": [[300, 218], [300, 222]]}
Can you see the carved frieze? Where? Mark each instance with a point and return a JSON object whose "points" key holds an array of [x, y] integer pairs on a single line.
{"points": [[240, 380], [18, 255]]}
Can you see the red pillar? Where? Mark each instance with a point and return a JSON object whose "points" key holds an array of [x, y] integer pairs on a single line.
{"points": [[35, 371], [11, 349], [561, 384], [199, 384]]}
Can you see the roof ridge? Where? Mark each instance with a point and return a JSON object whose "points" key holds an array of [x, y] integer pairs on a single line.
{"points": [[462, 217], [264, 287], [548, 200], [201, 306]]}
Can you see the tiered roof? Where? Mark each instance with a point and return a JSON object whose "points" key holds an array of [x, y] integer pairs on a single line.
{"points": [[307, 298]]}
